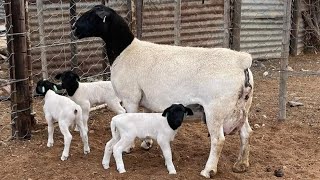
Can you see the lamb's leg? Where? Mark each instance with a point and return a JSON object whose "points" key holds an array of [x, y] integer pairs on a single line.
{"points": [[67, 140], [166, 150], [215, 128], [117, 152], [242, 163], [108, 151], [116, 107], [84, 136], [50, 130]]}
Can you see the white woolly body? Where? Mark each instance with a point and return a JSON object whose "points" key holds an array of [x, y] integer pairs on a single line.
{"points": [[67, 113], [126, 127], [160, 75], [96, 93]]}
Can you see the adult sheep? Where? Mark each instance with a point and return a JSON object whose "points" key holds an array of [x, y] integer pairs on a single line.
{"points": [[156, 76]]}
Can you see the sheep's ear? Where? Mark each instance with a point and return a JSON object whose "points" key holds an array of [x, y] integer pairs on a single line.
{"points": [[103, 14], [189, 111], [58, 76]]}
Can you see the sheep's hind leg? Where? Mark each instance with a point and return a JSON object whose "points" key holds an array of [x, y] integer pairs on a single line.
{"points": [[242, 163], [117, 152], [67, 140], [108, 151], [215, 128], [84, 136]]}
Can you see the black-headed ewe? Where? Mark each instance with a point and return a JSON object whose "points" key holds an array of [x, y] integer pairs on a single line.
{"points": [[161, 127], [88, 94], [64, 111], [156, 76]]}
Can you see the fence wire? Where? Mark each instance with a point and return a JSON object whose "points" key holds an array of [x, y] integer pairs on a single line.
{"points": [[208, 23]]}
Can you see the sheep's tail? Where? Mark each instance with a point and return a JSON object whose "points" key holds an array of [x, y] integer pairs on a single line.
{"points": [[114, 132], [245, 60], [78, 112]]}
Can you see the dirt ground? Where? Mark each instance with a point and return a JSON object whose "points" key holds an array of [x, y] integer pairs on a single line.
{"points": [[293, 145]]}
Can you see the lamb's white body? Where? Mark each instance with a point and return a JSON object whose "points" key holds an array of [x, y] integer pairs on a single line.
{"points": [[67, 113], [96, 93], [126, 127], [159, 75]]}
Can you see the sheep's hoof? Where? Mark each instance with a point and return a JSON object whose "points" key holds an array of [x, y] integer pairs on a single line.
{"points": [[240, 167], [173, 172], [206, 174], [50, 144], [63, 158]]}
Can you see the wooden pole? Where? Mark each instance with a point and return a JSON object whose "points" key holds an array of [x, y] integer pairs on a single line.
{"points": [[43, 55], [177, 22], [295, 27], [22, 125], [129, 13], [227, 25], [236, 25], [133, 17], [139, 7], [73, 44], [284, 60], [13, 95]]}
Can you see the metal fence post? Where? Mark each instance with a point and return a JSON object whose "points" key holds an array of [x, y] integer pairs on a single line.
{"points": [[177, 22], [73, 44]]}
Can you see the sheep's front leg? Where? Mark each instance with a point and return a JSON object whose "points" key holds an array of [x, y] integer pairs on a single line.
{"points": [[166, 150], [107, 152], [215, 128], [67, 140], [117, 152], [50, 130], [242, 163]]}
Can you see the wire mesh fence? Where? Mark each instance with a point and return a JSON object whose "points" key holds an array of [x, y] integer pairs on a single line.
{"points": [[262, 28]]}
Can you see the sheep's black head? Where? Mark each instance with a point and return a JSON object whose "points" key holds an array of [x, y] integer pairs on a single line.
{"points": [[175, 114], [94, 22], [69, 81], [44, 85]]}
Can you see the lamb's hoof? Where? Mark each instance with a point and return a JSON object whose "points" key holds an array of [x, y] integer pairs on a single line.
{"points": [[146, 144], [50, 144], [128, 150], [86, 151], [206, 174], [173, 172], [240, 167], [105, 166], [63, 158], [122, 171]]}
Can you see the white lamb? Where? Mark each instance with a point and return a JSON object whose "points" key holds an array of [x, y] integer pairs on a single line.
{"points": [[88, 94], [66, 112], [162, 127], [156, 76]]}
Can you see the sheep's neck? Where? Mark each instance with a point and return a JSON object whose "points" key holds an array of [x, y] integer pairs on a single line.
{"points": [[72, 88], [118, 38]]}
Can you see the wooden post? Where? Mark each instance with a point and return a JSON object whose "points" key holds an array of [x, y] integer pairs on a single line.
{"points": [[104, 56], [129, 13], [227, 25], [177, 22], [133, 17], [22, 125], [236, 25], [13, 95], [43, 55], [29, 64], [295, 27], [73, 44], [284, 60], [139, 7]]}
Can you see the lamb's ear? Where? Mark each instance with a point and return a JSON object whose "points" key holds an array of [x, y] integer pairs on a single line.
{"points": [[164, 114], [104, 15], [58, 76], [189, 111]]}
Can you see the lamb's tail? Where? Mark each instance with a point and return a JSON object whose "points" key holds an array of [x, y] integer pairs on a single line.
{"points": [[245, 60], [115, 133]]}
